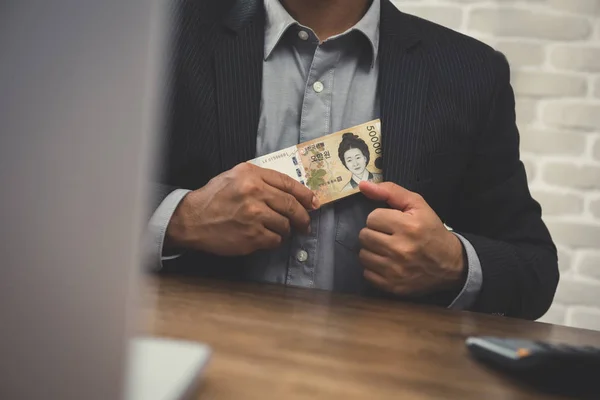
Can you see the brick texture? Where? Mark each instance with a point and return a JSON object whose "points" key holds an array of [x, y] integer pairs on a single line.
{"points": [[577, 235], [544, 141], [522, 54], [576, 58], [589, 265], [557, 203], [572, 176], [526, 110], [577, 293], [577, 115], [595, 208], [584, 318], [516, 22], [583, 7], [549, 84], [553, 47]]}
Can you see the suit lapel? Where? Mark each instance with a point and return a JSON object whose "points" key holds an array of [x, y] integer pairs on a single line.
{"points": [[403, 88], [238, 68]]}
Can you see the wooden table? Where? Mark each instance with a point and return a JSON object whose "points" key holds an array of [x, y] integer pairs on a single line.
{"points": [[273, 342]]}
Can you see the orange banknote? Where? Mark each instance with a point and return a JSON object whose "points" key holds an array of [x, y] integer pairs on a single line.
{"points": [[332, 165]]}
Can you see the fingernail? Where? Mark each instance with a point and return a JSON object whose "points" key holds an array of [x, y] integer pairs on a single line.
{"points": [[315, 202]]}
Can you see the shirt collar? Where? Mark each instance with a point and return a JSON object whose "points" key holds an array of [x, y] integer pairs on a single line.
{"points": [[278, 20], [369, 26]]}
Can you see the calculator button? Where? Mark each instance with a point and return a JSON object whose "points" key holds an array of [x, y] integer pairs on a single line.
{"points": [[522, 352]]}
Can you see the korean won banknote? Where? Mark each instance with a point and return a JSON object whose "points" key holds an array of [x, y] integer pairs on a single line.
{"points": [[332, 166]]}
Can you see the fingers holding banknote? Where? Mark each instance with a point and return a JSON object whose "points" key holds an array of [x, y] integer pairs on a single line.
{"points": [[407, 250], [243, 210], [288, 197]]}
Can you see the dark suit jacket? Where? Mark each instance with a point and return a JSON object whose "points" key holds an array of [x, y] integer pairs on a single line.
{"points": [[448, 130]]}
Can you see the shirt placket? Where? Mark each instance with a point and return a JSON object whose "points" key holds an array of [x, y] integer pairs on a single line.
{"points": [[315, 120]]}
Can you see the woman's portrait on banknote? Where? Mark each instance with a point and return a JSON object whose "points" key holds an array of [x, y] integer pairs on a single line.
{"points": [[355, 156]]}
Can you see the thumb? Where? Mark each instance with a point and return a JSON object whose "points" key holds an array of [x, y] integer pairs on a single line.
{"points": [[394, 195]]}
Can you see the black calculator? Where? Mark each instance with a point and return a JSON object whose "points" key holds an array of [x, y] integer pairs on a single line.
{"points": [[563, 367]]}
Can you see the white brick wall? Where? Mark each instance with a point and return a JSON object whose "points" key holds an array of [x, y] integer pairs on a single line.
{"points": [[553, 47]]}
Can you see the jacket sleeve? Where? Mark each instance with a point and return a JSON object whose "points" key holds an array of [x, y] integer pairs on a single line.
{"points": [[496, 213]]}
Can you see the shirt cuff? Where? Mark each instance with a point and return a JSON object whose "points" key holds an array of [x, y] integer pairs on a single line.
{"points": [[157, 227], [472, 287]]}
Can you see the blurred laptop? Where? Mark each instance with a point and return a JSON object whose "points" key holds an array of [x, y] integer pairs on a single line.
{"points": [[79, 105]]}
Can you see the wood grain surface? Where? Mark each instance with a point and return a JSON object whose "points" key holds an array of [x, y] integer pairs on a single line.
{"points": [[275, 342]]}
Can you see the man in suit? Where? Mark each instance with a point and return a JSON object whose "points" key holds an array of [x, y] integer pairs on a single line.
{"points": [[254, 76]]}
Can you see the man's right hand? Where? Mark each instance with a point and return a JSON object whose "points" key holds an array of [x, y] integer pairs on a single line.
{"points": [[243, 210]]}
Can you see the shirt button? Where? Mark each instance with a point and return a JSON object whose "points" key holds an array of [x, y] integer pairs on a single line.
{"points": [[303, 35], [302, 256], [318, 87]]}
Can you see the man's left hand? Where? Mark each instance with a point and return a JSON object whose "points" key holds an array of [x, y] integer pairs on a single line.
{"points": [[407, 250]]}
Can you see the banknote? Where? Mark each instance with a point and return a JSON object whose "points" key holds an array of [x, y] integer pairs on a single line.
{"points": [[333, 165]]}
